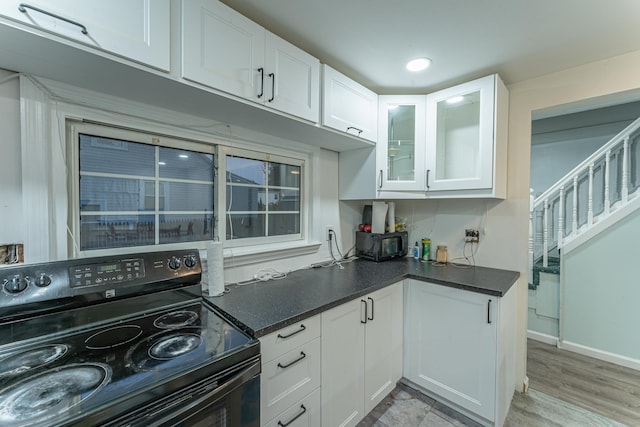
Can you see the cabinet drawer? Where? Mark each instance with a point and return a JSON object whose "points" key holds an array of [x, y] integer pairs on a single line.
{"points": [[288, 378], [286, 339], [304, 413]]}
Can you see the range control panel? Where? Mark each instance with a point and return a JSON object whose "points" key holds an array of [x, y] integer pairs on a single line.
{"points": [[97, 278], [106, 273]]}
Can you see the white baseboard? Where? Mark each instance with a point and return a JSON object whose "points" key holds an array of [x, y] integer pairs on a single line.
{"points": [[601, 355], [538, 336]]}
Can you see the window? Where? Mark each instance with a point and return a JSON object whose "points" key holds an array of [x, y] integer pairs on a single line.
{"points": [[136, 189], [263, 198]]}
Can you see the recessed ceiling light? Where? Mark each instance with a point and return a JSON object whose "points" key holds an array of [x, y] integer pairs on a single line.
{"points": [[418, 64], [455, 99]]}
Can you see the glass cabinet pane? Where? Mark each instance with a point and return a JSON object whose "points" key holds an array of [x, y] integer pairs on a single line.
{"points": [[458, 137], [401, 143]]}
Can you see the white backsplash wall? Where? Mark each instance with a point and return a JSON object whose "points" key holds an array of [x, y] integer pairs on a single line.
{"points": [[444, 222], [11, 217]]}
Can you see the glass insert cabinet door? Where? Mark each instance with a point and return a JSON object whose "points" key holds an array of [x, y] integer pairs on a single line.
{"points": [[400, 150], [460, 135]]}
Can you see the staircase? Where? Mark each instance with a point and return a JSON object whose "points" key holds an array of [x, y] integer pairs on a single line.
{"points": [[597, 193]]}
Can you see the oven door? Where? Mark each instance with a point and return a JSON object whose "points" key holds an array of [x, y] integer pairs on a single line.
{"points": [[229, 400]]}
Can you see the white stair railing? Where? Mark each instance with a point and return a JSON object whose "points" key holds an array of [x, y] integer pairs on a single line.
{"points": [[593, 191]]}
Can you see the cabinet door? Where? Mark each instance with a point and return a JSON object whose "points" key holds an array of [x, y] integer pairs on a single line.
{"points": [[348, 106], [460, 136], [292, 82], [383, 344], [451, 339], [400, 148], [342, 368], [223, 49], [135, 29]]}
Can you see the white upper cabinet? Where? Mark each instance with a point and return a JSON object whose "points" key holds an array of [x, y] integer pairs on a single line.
{"points": [[400, 149], [348, 106], [224, 50], [135, 29], [449, 144], [292, 80], [460, 135]]}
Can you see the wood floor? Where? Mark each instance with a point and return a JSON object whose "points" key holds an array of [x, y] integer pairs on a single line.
{"points": [[600, 387]]}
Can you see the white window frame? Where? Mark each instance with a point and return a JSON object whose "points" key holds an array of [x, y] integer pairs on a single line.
{"points": [[255, 243], [74, 129]]}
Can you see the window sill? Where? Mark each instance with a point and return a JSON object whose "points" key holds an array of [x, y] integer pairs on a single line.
{"points": [[235, 257]]}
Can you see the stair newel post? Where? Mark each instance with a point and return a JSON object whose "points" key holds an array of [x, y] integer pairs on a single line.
{"points": [[607, 165], [545, 235], [625, 171], [574, 225], [590, 204], [561, 218], [531, 199]]}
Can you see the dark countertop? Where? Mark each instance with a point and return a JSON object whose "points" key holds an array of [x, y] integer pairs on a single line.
{"points": [[264, 307]]}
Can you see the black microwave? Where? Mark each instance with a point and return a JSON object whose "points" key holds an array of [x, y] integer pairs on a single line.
{"points": [[381, 247]]}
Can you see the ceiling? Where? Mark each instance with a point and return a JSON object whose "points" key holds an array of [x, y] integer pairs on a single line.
{"points": [[372, 40]]}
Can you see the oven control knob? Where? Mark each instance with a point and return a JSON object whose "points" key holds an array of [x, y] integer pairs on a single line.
{"points": [[175, 263], [15, 285], [190, 261], [42, 281]]}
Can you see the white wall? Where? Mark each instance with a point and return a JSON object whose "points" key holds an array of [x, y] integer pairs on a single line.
{"points": [[550, 162], [601, 291], [11, 213], [617, 77]]}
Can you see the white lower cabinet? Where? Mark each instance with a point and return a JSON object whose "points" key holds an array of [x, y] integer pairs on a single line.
{"points": [[291, 374], [361, 355], [460, 346]]}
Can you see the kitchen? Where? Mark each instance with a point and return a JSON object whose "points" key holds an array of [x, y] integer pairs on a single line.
{"points": [[36, 181]]}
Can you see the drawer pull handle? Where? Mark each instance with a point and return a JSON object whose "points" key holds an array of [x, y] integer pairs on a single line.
{"points": [[354, 128], [302, 356], [302, 328], [298, 415], [24, 6], [366, 315], [261, 71], [273, 87]]}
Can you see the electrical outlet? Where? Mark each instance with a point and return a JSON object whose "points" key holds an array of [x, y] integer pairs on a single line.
{"points": [[328, 232], [471, 236]]}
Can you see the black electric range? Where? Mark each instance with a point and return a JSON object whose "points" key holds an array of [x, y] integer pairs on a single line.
{"points": [[125, 340]]}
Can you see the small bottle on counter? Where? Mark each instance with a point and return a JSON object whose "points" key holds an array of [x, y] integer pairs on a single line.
{"points": [[426, 249], [416, 251], [441, 254]]}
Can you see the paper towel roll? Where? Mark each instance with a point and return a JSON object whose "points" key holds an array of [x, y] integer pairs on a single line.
{"points": [[378, 217], [214, 283], [391, 217]]}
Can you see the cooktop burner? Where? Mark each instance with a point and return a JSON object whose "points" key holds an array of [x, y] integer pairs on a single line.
{"points": [[174, 345], [113, 337], [51, 393], [176, 319], [19, 363]]}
